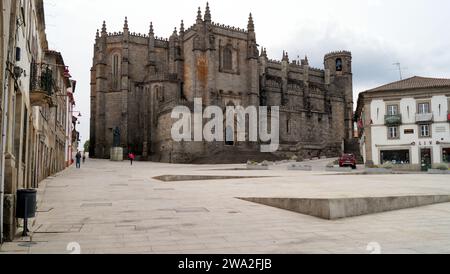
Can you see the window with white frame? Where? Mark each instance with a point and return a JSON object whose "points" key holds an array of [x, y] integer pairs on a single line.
{"points": [[424, 108], [393, 133], [392, 110], [425, 131]]}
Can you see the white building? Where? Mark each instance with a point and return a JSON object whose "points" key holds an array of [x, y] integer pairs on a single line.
{"points": [[406, 123]]}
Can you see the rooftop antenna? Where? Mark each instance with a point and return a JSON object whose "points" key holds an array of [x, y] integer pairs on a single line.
{"points": [[400, 69]]}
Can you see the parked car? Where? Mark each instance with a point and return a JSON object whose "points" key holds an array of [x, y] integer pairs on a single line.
{"points": [[347, 160]]}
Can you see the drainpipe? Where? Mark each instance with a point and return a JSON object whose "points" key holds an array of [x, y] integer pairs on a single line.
{"points": [[2, 185], [4, 130], [2, 153]]}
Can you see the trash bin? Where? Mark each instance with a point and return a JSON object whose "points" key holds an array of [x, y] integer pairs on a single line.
{"points": [[26, 203]]}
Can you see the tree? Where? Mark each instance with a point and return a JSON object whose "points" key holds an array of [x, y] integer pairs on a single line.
{"points": [[86, 146]]}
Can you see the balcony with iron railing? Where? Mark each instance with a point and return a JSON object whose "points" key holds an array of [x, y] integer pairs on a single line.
{"points": [[424, 118], [393, 120], [42, 86]]}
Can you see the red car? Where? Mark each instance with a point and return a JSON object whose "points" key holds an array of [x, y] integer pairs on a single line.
{"points": [[348, 160]]}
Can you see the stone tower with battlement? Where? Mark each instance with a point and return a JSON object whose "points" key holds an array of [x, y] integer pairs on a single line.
{"points": [[137, 80]]}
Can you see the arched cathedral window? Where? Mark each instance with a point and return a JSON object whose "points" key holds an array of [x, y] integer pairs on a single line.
{"points": [[116, 71], [228, 58], [339, 64]]}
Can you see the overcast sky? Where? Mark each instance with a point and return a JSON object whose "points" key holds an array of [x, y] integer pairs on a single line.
{"points": [[378, 32]]}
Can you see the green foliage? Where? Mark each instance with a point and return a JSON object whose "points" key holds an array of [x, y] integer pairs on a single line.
{"points": [[86, 146], [442, 167], [388, 165]]}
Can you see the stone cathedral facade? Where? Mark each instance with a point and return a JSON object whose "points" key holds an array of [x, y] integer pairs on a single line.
{"points": [[138, 79]]}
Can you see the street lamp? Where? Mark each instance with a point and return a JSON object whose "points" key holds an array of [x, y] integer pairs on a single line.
{"points": [[79, 113]]}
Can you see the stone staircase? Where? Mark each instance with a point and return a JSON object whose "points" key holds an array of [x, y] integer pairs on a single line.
{"points": [[235, 155]]}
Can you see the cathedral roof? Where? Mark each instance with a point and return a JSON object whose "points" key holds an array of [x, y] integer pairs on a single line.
{"points": [[415, 82]]}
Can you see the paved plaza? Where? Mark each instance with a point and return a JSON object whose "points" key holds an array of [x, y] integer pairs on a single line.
{"points": [[110, 207]]}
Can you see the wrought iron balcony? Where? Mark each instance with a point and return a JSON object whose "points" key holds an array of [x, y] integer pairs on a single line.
{"points": [[42, 86], [424, 118], [393, 120]]}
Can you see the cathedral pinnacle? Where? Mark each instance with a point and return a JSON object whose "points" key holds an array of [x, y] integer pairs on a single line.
{"points": [[199, 15], [104, 28], [182, 27], [151, 32], [251, 25], [125, 24], [285, 56], [207, 13]]}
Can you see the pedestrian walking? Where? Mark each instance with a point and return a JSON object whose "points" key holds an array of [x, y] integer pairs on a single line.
{"points": [[131, 156], [78, 157], [84, 158]]}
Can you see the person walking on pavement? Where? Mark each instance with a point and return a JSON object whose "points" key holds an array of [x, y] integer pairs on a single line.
{"points": [[131, 157], [84, 158], [78, 157]]}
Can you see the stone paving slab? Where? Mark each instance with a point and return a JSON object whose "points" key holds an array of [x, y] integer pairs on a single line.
{"points": [[139, 214]]}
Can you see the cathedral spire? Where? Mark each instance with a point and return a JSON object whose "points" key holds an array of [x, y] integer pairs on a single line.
{"points": [[97, 35], [251, 24], [285, 56], [151, 31], [125, 24], [305, 61], [207, 13], [104, 33], [199, 16], [182, 28], [263, 52]]}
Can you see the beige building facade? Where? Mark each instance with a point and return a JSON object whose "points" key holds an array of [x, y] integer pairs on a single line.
{"points": [[33, 108], [406, 123]]}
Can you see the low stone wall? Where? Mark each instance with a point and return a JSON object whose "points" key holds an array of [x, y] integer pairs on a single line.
{"points": [[299, 167], [338, 169], [378, 171], [333, 209], [438, 171], [257, 167]]}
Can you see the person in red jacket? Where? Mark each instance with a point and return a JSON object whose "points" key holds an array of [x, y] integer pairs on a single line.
{"points": [[131, 156]]}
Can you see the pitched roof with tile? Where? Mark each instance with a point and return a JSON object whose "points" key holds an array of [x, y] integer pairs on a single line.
{"points": [[415, 82]]}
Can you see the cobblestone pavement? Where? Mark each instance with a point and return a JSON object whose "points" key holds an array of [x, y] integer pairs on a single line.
{"points": [[110, 207]]}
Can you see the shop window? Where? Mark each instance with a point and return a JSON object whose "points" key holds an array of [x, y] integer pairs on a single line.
{"points": [[446, 155], [397, 157]]}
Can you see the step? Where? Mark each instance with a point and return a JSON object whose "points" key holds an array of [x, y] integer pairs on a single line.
{"points": [[338, 208]]}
